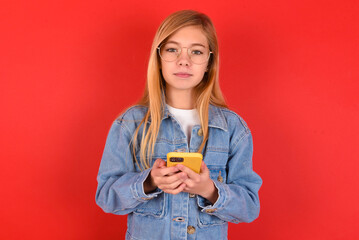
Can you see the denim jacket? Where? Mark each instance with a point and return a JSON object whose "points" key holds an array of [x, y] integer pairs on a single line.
{"points": [[159, 215]]}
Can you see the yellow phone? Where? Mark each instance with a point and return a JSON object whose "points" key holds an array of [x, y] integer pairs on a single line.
{"points": [[188, 159]]}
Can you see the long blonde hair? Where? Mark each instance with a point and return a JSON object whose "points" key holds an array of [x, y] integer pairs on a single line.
{"points": [[206, 92]]}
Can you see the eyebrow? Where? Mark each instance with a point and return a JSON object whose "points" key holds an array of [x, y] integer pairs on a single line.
{"points": [[193, 44]]}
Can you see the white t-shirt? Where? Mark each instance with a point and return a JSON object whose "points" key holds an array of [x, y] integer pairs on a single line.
{"points": [[187, 118]]}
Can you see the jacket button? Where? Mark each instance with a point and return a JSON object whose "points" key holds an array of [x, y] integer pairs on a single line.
{"points": [[191, 195], [146, 198], [211, 210], [220, 178], [200, 132], [191, 229]]}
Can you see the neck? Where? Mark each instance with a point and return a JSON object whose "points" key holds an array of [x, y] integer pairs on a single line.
{"points": [[182, 99]]}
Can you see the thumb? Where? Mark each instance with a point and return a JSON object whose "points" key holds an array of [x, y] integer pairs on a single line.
{"points": [[156, 163], [159, 163], [204, 168]]}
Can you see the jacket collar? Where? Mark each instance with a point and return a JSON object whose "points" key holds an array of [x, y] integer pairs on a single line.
{"points": [[216, 117]]}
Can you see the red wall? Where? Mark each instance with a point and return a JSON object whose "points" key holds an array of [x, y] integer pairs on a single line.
{"points": [[290, 68]]}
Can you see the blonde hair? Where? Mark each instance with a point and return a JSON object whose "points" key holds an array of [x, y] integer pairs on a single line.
{"points": [[206, 92]]}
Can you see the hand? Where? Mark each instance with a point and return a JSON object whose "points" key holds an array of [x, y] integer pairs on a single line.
{"points": [[168, 179], [200, 184]]}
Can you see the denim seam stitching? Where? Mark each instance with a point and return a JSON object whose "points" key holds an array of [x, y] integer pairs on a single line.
{"points": [[239, 139]]}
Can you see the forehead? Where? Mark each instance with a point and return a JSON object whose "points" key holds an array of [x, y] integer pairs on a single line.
{"points": [[189, 35]]}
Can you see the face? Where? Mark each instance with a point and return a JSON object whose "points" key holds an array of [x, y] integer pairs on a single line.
{"points": [[181, 74]]}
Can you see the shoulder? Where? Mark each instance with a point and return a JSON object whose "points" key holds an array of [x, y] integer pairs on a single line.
{"points": [[234, 119], [232, 122], [237, 129], [134, 113], [130, 118]]}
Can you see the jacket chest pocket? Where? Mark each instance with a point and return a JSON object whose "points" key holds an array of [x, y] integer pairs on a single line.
{"points": [[216, 162], [218, 173], [155, 207]]}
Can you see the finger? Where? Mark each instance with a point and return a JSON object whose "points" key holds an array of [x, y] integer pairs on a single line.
{"points": [[166, 181], [162, 163], [169, 170], [204, 168], [186, 189], [175, 177], [189, 183], [162, 171], [191, 174], [157, 163], [172, 186], [177, 190]]}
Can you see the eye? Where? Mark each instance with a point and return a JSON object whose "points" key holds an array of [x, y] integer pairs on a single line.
{"points": [[196, 52], [172, 50]]}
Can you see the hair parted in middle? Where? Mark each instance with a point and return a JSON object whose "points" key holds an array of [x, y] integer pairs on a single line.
{"points": [[206, 92]]}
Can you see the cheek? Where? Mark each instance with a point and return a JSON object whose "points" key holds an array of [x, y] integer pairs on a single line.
{"points": [[201, 70], [165, 70]]}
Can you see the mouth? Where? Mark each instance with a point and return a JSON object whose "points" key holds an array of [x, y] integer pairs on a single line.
{"points": [[183, 74]]}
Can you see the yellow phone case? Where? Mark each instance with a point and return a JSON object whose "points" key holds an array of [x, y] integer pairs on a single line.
{"points": [[188, 159]]}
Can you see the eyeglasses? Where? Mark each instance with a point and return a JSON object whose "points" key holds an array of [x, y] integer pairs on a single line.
{"points": [[170, 52]]}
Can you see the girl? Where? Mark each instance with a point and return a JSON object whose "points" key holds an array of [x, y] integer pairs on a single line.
{"points": [[181, 110]]}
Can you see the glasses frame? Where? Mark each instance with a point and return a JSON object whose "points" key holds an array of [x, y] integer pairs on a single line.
{"points": [[179, 54]]}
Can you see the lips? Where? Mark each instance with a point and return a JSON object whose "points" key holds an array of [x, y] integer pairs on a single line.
{"points": [[183, 75]]}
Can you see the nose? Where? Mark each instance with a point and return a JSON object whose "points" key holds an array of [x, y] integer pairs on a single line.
{"points": [[183, 58]]}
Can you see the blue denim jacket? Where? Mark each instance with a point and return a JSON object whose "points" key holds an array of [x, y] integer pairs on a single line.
{"points": [[159, 215]]}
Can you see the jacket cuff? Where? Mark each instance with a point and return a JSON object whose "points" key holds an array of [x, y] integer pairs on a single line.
{"points": [[138, 191], [219, 204]]}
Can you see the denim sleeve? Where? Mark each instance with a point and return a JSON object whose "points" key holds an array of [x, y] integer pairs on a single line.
{"points": [[120, 187], [238, 199]]}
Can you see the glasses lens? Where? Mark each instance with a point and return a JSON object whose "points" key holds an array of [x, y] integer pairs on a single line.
{"points": [[198, 54], [169, 52]]}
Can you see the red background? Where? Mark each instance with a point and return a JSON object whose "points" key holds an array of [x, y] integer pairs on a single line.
{"points": [[68, 68]]}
